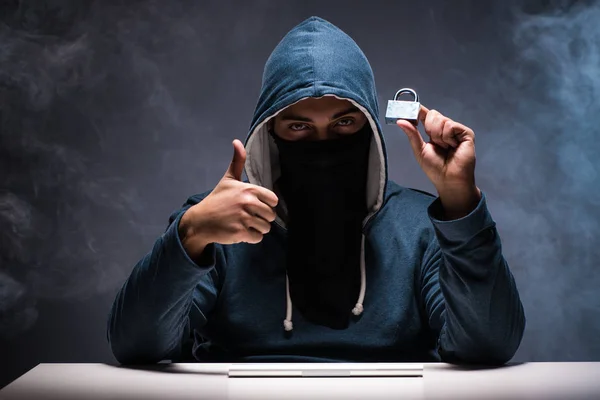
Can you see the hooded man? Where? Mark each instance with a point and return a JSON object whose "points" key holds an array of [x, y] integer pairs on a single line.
{"points": [[318, 256]]}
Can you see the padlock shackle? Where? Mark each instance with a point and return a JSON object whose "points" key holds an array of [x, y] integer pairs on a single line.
{"points": [[407, 90]]}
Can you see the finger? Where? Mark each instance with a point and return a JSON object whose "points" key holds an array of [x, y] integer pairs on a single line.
{"points": [[423, 111], [414, 137], [266, 196], [447, 135], [462, 132], [433, 126], [252, 222], [428, 121], [252, 236], [259, 224], [236, 167], [261, 210]]}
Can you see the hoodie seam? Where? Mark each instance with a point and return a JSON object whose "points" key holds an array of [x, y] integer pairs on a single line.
{"points": [[312, 59]]}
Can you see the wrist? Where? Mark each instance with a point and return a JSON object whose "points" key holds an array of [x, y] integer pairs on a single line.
{"points": [[458, 202], [192, 240]]}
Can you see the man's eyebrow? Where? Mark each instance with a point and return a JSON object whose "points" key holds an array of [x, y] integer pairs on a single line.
{"points": [[291, 117], [347, 111]]}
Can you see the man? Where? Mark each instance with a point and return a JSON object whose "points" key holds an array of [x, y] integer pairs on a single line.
{"points": [[357, 267]]}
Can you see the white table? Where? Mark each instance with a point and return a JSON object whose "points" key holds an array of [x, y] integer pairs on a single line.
{"points": [[549, 381]]}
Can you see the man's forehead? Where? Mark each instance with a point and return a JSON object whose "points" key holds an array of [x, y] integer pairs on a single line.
{"points": [[322, 105]]}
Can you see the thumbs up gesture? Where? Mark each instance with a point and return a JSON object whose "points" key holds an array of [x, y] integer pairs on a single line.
{"points": [[233, 212]]}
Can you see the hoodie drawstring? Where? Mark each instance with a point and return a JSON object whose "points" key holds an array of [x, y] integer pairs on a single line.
{"points": [[287, 322], [358, 308]]}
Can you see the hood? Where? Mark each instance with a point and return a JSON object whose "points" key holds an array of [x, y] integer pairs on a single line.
{"points": [[315, 59]]}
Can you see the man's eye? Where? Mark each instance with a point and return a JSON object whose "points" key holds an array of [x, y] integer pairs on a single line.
{"points": [[345, 122], [298, 127]]}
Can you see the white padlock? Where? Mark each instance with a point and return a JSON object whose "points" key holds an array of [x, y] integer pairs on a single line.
{"points": [[403, 109]]}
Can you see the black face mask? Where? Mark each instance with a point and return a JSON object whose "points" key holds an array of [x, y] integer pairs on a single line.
{"points": [[323, 184]]}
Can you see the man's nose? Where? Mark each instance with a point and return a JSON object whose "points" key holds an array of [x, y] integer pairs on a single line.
{"points": [[322, 134]]}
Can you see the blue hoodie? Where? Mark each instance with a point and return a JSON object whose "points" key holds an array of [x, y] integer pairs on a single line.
{"points": [[432, 290]]}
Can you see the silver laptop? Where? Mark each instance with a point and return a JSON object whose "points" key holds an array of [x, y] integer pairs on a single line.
{"points": [[325, 370]]}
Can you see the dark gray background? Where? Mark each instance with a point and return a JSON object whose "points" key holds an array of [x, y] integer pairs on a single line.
{"points": [[113, 112]]}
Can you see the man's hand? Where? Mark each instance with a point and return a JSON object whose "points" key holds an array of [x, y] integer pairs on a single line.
{"points": [[233, 212], [448, 160]]}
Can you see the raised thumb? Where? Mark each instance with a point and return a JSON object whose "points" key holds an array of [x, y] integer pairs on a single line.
{"points": [[236, 168]]}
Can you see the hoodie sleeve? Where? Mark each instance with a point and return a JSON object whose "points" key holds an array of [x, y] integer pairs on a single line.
{"points": [[149, 320], [468, 291]]}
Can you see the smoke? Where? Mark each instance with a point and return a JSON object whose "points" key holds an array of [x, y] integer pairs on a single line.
{"points": [[544, 171], [104, 125], [71, 208], [525, 76], [17, 310], [102, 103]]}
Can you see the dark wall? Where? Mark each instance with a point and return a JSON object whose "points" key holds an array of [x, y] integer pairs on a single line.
{"points": [[112, 113]]}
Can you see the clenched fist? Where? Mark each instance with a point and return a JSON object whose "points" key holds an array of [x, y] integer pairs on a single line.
{"points": [[448, 160], [233, 212]]}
